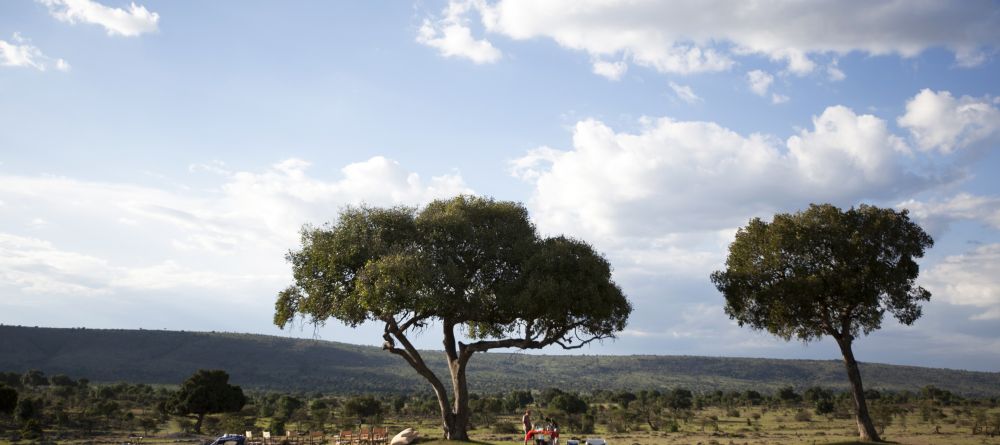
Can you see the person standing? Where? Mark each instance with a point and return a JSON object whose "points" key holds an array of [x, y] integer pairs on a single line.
{"points": [[526, 421]]}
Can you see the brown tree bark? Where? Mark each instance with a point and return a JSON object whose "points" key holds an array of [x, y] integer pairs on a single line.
{"points": [[866, 429]]}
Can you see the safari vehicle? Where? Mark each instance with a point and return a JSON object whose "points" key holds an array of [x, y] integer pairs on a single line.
{"points": [[230, 439]]}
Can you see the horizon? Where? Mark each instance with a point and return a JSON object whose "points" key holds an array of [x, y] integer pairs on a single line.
{"points": [[158, 158]]}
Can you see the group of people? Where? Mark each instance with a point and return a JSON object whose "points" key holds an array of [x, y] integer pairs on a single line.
{"points": [[540, 432]]}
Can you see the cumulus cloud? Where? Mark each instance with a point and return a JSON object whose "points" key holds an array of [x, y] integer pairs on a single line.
{"points": [[685, 93], [250, 221], [452, 37], [939, 121], [19, 52], [137, 20], [676, 176], [610, 70], [972, 279], [38, 267], [697, 36], [936, 215], [760, 82], [834, 73]]}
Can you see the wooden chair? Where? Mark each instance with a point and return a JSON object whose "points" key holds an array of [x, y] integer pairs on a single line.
{"points": [[380, 435], [346, 438], [365, 437], [267, 438], [253, 440], [317, 438]]}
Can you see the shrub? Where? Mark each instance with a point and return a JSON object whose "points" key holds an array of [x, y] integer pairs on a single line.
{"points": [[803, 416], [504, 428]]}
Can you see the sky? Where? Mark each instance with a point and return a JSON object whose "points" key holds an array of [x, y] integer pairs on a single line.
{"points": [[158, 158]]}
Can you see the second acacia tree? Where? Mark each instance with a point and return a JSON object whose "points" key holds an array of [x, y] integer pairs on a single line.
{"points": [[471, 267]]}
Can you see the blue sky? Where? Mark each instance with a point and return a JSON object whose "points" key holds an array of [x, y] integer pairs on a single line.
{"points": [[157, 158]]}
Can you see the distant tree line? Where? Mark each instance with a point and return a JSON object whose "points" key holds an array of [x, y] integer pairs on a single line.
{"points": [[35, 406]]}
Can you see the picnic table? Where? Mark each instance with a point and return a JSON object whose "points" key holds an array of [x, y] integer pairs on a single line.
{"points": [[542, 436]]}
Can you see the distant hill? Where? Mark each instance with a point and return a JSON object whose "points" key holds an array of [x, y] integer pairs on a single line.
{"points": [[267, 362]]}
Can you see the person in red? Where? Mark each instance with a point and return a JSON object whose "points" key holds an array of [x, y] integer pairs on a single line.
{"points": [[526, 421]]}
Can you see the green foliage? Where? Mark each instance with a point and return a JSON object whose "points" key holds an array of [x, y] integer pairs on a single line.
{"points": [[32, 430], [787, 394], [205, 392], [364, 407], [27, 409], [825, 406], [469, 263], [34, 378], [504, 428], [568, 403], [8, 400], [824, 271], [466, 261]]}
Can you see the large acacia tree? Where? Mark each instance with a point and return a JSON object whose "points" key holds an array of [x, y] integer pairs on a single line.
{"points": [[468, 266], [825, 271]]}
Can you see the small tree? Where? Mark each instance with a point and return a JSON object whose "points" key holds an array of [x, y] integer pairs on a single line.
{"points": [[826, 272], [363, 408], [207, 392], [8, 400], [469, 266], [34, 378]]}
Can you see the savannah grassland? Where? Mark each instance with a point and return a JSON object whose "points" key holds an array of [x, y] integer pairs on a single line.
{"points": [[709, 426]]}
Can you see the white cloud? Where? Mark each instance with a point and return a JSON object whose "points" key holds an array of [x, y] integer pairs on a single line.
{"points": [[38, 268], [675, 176], [760, 82], [452, 37], [939, 121], [135, 21], [779, 98], [685, 93], [697, 35], [228, 239], [21, 53], [972, 278], [834, 73], [936, 215], [610, 70]]}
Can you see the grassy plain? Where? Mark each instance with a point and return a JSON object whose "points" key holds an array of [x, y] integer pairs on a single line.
{"points": [[708, 427]]}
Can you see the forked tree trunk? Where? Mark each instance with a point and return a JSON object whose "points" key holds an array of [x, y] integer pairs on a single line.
{"points": [[866, 429]]}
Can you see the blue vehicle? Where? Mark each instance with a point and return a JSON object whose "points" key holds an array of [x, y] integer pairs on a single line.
{"points": [[230, 439]]}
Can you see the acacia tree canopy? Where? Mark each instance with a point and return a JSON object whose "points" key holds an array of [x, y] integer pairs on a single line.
{"points": [[468, 263], [825, 271]]}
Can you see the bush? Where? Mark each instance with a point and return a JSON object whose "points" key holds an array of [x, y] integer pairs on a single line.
{"points": [[803, 416], [733, 413], [505, 428], [277, 426], [31, 430]]}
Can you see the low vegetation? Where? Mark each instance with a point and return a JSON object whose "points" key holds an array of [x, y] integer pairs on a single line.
{"points": [[63, 409]]}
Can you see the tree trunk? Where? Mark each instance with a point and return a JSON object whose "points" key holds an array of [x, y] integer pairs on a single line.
{"points": [[197, 423], [460, 410], [457, 417], [866, 429]]}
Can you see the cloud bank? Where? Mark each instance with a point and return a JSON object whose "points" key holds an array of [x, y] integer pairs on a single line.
{"points": [[694, 36]]}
